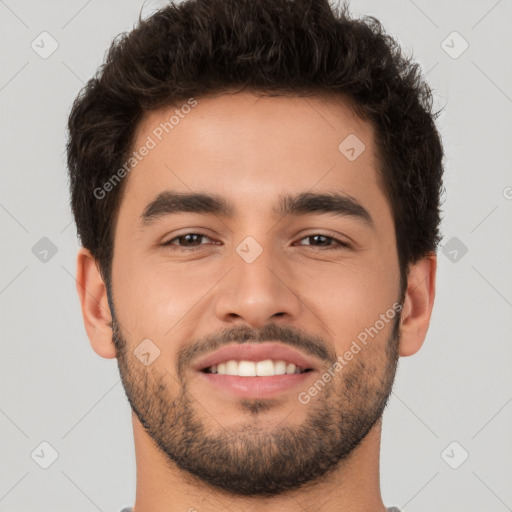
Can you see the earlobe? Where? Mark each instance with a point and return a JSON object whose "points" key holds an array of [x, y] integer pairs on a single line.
{"points": [[418, 304], [92, 293]]}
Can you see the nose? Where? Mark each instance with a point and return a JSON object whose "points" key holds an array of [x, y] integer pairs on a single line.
{"points": [[258, 292]]}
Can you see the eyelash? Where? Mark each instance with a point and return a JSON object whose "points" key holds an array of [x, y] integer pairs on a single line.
{"points": [[340, 244]]}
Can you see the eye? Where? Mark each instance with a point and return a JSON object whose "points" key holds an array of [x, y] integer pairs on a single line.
{"points": [[323, 242], [190, 241]]}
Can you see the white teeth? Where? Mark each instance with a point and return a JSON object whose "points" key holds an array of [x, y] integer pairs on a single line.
{"points": [[245, 368], [279, 367], [231, 368], [265, 368]]}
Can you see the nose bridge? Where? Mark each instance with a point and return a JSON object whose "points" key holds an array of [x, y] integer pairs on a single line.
{"points": [[256, 289]]}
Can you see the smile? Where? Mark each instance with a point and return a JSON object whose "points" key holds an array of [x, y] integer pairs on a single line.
{"points": [[264, 368]]}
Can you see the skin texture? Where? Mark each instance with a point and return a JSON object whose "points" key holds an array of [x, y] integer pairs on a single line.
{"points": [[250, 150]]}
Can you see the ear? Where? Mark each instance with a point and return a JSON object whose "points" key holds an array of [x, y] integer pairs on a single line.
{"points": [[95, 309], [418, 303]]}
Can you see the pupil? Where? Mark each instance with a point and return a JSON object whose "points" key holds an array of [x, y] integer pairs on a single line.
{"points": [[317, 237], [188, 237]]}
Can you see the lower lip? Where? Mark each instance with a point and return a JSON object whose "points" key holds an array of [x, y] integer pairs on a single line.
{"points": [[257, 387]]}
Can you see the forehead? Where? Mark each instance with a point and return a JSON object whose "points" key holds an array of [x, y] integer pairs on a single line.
{"points": [[251, 148]]}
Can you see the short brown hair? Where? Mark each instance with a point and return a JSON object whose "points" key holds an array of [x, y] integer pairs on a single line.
{"points": [[274, 47]]}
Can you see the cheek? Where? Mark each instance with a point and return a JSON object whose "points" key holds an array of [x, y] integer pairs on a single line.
{"points": [[351, 297], [154, 296]]}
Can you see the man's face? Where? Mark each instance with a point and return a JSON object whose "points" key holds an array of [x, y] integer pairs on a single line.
{"points": [[260, 278]]}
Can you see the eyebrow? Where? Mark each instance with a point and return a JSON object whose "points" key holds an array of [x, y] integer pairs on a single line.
{"points": [[170, 203]]}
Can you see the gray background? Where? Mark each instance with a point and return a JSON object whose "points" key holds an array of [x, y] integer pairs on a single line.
{"points": [[54, 388]]}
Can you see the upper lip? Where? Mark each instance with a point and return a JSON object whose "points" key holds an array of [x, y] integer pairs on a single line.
{"points": [[256, 352]]}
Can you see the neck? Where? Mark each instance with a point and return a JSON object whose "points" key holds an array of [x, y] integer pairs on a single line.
{"points": [[354, 486]]}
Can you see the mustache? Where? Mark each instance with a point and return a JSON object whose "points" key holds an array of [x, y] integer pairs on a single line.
{"points": [[295, 338]]}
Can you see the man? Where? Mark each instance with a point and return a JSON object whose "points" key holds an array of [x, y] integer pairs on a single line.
{"points": [[256, 188]]}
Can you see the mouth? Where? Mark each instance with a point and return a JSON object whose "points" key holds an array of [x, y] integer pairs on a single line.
{"points": [[264, 368], [256, 370]]}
